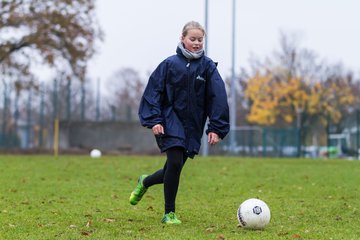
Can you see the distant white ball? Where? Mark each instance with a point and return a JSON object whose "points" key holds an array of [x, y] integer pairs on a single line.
{"points": [[253, 214], [95, 153]]}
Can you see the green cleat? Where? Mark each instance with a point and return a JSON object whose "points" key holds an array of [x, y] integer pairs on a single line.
{"points": [[139, 191], [170, 218]]}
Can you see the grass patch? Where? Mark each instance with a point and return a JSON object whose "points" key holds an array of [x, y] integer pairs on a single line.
{"points": [[76, 197]]}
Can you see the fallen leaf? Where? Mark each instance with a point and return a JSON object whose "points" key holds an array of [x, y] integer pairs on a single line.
{"points": [[26, 202], [282, 234], [88, 224], [109, 220], [221, 237], [54, 212], [209, 230], [86, 233], [296, 236], [72, 226]]}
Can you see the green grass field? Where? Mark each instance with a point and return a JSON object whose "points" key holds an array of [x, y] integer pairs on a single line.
{"points": [[76, 197]]}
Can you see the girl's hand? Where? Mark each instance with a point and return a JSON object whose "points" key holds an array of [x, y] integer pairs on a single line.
{"points": [[158, 129], [213, 138]]}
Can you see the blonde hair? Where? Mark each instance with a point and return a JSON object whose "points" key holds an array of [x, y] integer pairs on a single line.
{"points": [[192, 25]]}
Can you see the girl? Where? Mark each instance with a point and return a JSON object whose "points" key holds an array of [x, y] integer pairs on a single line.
{"points": [[182, 92]]}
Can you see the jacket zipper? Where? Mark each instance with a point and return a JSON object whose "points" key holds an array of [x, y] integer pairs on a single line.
{"points": [[188, 105]]}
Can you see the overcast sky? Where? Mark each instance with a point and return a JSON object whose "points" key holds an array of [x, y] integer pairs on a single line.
{"points": [[140, 34]]}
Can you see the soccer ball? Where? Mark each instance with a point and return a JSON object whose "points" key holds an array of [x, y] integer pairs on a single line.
{"points": [[253, 214], [95, 153]]}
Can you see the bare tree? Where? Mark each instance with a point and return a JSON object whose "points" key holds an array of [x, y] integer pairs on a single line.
{"points": [[125, 90]]}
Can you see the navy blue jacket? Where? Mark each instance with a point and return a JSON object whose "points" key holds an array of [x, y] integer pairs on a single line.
{"points": [[180, 95]]}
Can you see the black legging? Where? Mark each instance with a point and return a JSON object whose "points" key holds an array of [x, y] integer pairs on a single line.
{"points": [[169, 175]]}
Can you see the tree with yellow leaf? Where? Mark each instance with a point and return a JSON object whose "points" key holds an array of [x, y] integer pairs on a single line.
{"points": [[297, 90], [278, 101]]}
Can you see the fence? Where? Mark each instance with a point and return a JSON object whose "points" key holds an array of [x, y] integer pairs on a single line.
{"points": [[266, 142], [27, 115], [345, 136], [26, 120]]}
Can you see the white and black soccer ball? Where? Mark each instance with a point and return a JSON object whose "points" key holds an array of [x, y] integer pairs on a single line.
{"points": [[253, 214]]}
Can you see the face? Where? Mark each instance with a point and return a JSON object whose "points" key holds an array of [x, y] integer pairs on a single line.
{"points": [[194, 40]]}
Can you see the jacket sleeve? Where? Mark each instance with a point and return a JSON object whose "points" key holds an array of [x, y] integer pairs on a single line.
{"points": [[217, 105], [150, 104]]}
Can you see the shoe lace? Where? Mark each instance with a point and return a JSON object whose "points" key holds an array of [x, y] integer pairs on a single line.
{"points": [[172, 215], [142, 190]]}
